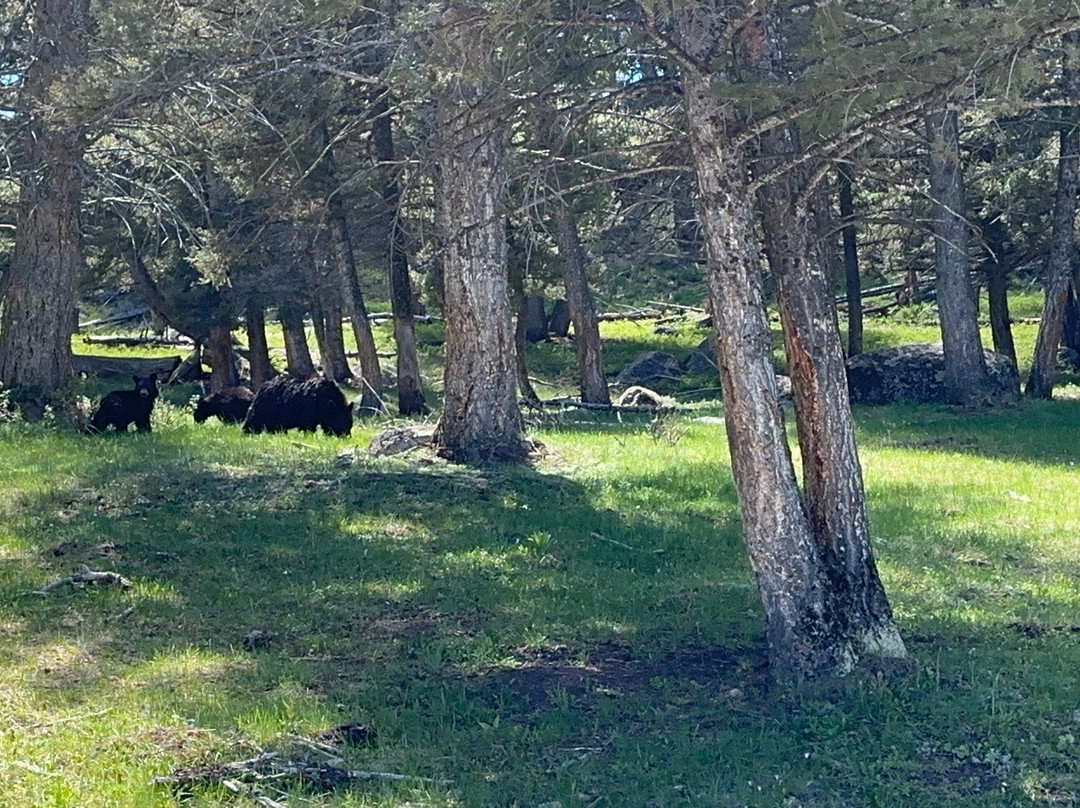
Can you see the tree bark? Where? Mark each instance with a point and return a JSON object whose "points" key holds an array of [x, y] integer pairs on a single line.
{"points": [[409, 383], [1070, 335], [594, 389], [775, 528], [481, 420], [39, 312], [832, 475], [851, 261], [965, 368], [996, 273], [371, 387], [222, 359], [259, 351], [297, 355], [521, 368], [334, 361], [1040, 383]]}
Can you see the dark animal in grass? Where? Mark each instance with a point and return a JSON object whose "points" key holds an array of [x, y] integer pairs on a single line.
{"points": [[230, 405], [285, 403], [121, 408]]}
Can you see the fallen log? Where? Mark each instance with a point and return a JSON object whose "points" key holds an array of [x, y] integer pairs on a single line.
{"points": [[131, 314], [636, 314], [130, 341], [113, 367], [574, 403], [87, 576]]}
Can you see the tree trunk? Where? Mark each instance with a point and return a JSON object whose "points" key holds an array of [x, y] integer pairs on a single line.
{"points": [[222, 359], [39, 312], [521, 368], [996, 274], [851, 261], [297, 356], [1040, 383], [409, 384], [802, 638], [371, 387], [594, 389], [832, 474], [481, 421], [966, 380], [258, 350], [334, 360], [1070, 335]]}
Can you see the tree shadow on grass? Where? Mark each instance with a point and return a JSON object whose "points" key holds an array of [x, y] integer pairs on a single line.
{"points": [[1045, 432], [487, 622]]}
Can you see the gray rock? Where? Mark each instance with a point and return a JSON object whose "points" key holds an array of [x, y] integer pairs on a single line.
{"points": [[916, 374], [649, 368], [703, 359]]}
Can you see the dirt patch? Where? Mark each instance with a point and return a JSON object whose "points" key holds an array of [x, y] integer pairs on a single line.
{"points": [[617, 668]]}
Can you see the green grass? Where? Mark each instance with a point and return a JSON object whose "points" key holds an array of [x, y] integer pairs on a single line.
{"points": [[586, 632]]}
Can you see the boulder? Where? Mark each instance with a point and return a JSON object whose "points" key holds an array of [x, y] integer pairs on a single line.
{"points": [[916, 374], [703, 359], [649, 368]]}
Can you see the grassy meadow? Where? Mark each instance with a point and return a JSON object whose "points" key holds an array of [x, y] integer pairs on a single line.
{"points": [[585, 632]]}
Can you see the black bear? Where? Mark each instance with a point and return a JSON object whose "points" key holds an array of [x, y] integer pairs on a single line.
{"points": [[288, 403], [121, 408], [231, 405]]}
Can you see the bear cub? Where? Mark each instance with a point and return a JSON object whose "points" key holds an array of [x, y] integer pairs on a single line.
{"points": [[121, 408]]}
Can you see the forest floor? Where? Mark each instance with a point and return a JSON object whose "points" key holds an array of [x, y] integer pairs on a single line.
{"points": [[293, 622]]}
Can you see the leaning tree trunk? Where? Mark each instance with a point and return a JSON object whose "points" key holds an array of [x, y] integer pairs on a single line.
{"points": [[258, 350], [594, 389], [409, 383], [39, 314], [832, 475], [966, 379], [851, 261], [371, 387], [297, 355], [804, 639], [1040, 383], [481, 420]]}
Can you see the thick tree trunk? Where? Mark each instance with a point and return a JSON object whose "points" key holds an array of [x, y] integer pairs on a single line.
{"points": [[371, 387], [481, 420], [409, 384], [832, 475], [222, 359], [803, 637], [965, 368], [258, 350], [594, 389], [39, 314], [851, 261], [297, 355], [1040, 382]]}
